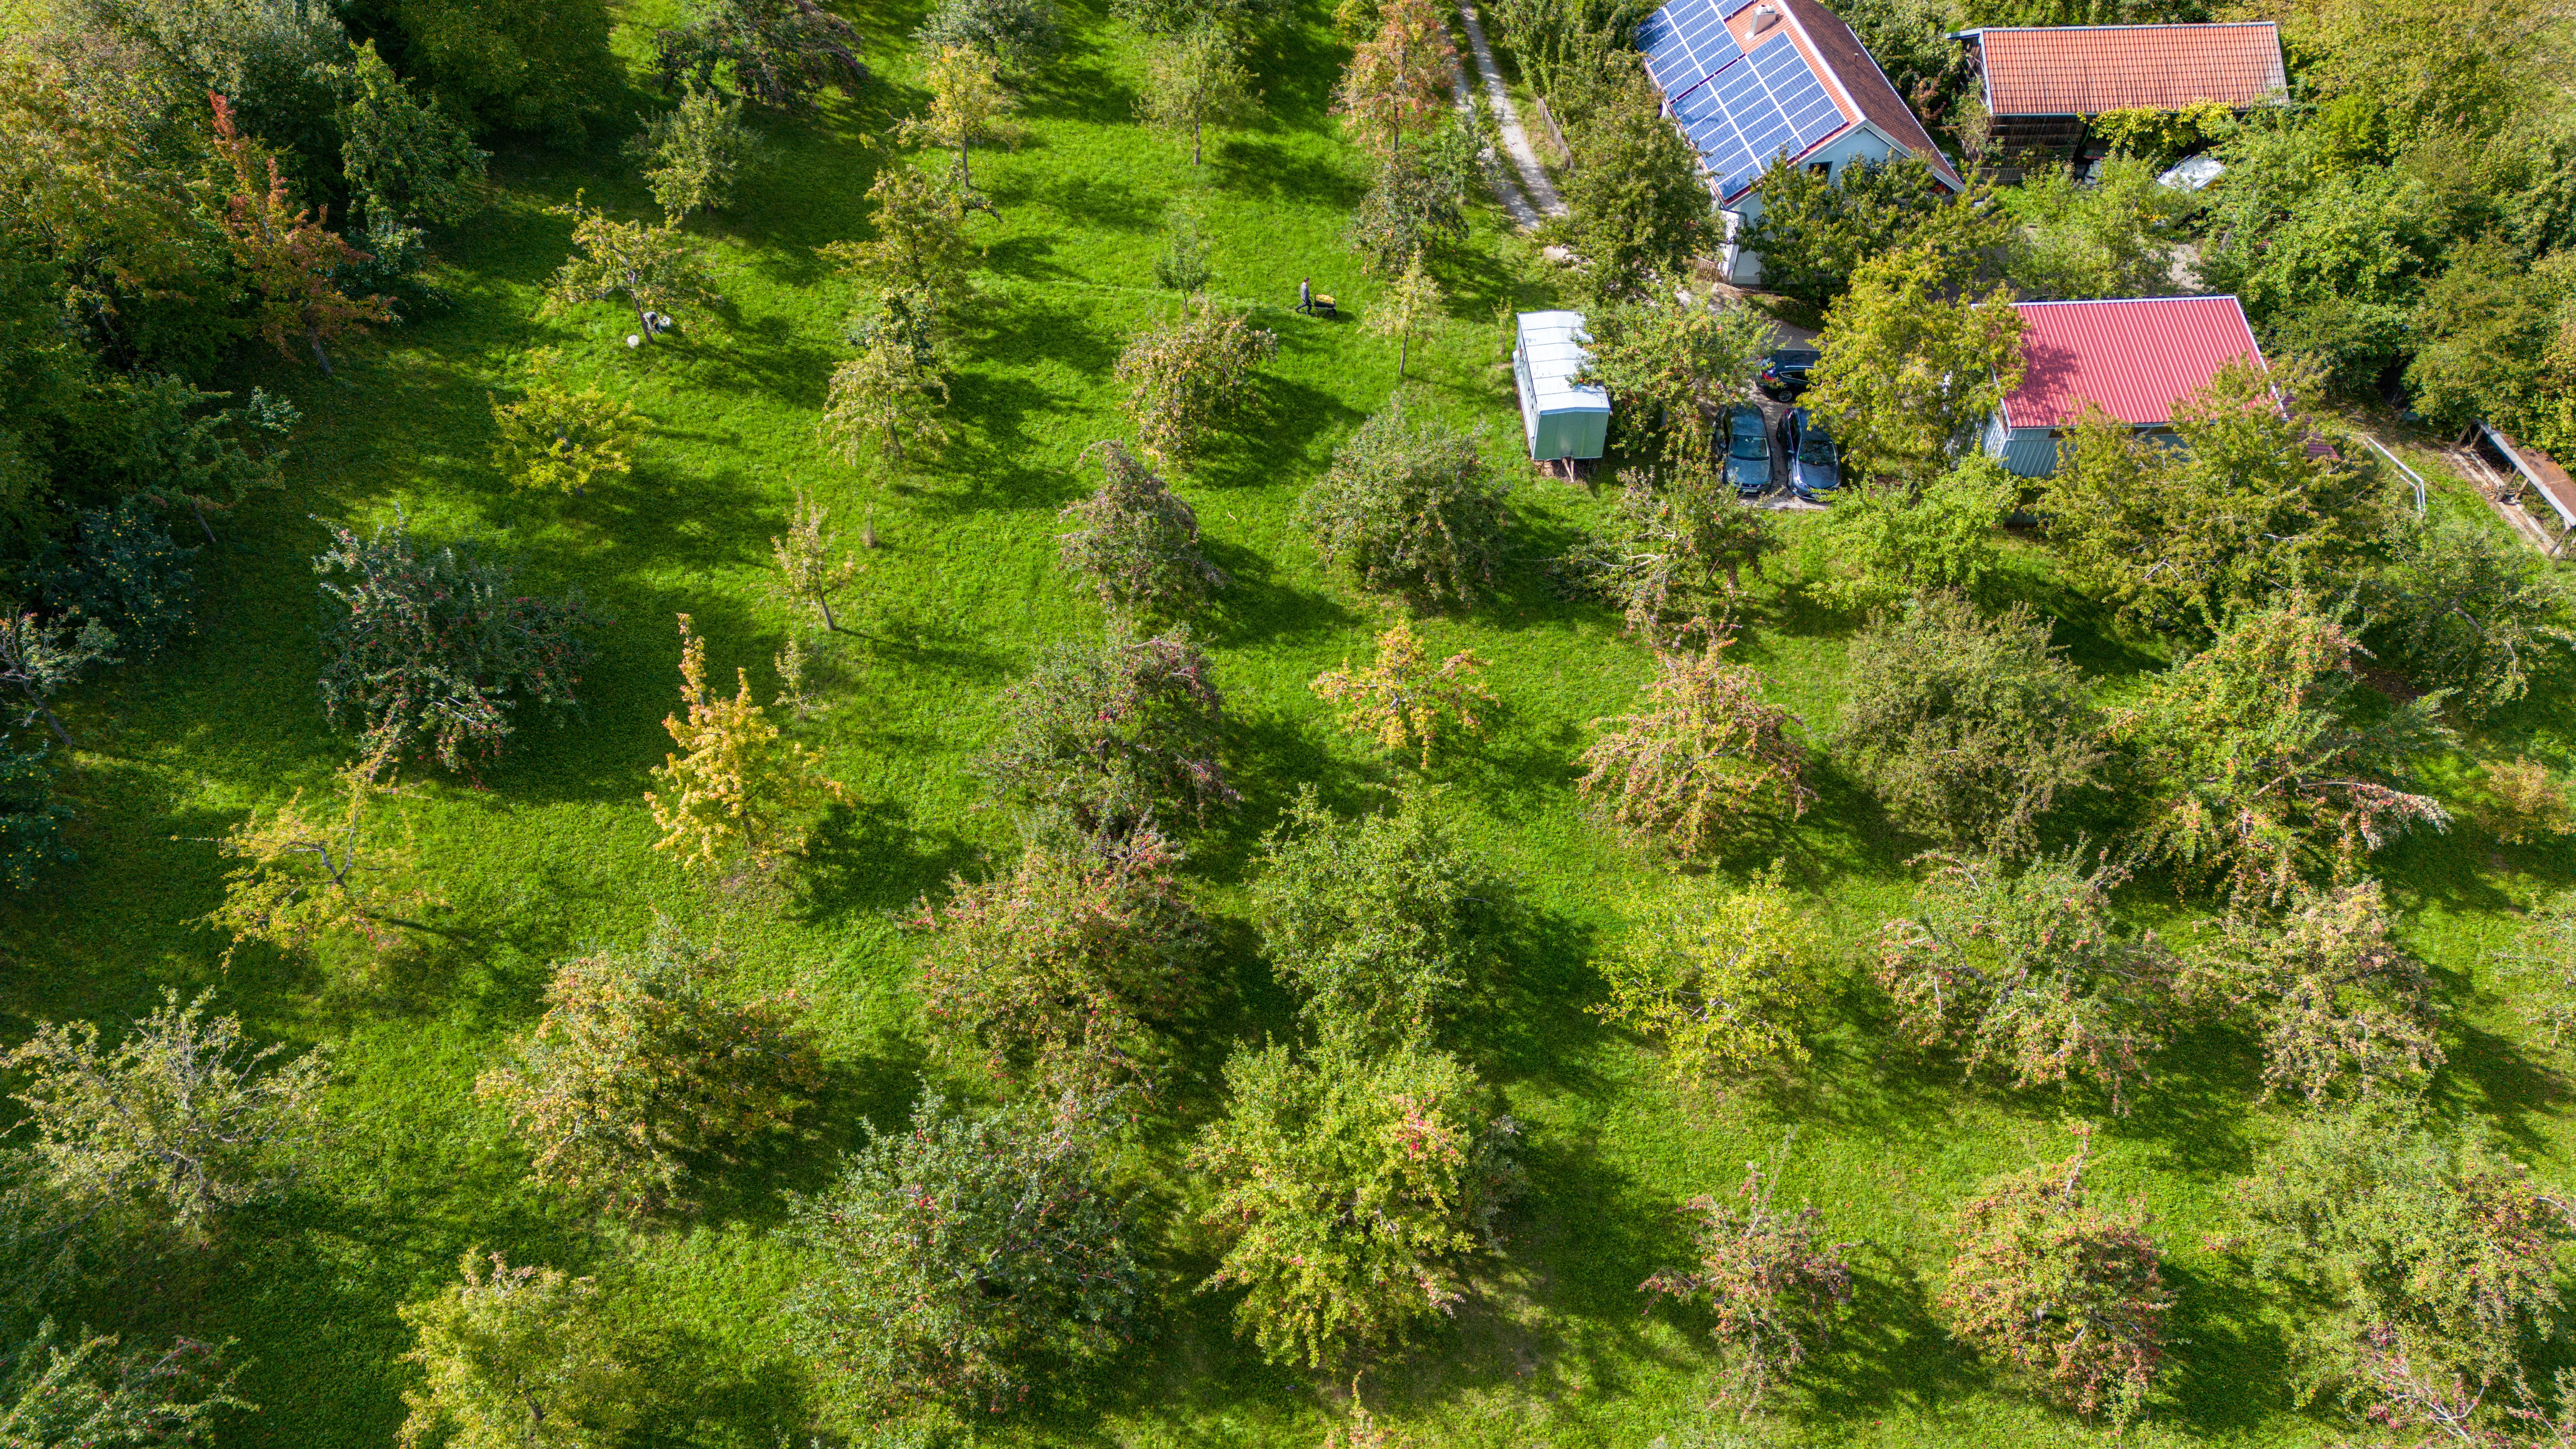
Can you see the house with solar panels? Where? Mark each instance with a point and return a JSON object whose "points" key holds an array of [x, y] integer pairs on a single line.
{"points": [[2136, 358], [1748, 81]]}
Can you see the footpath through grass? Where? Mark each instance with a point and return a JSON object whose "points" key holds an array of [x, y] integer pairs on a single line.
{"points": [[550, 853]]}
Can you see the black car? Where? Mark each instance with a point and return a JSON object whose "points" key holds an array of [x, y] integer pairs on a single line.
{"points": [[1785, 375], [1815, 465], [1748, 450]]}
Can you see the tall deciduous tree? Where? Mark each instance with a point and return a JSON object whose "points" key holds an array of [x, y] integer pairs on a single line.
{"points": [[637, 1069], [1909, 368], [2113, 236], [654, 268], [915, 265], [779, 53], [969, 106], [1771, 1284], [1665, 359], [1018, 34], [2464, 610], [1401, 699], [1107, 739], [1677, 547], [738, 785], [1134, 541], [1417, 202], [1193, 81], [887, 393], [1409, 506], [1411, 305], [2066, 1291], [1815, 232], [694, 154], [1638, 209], [1350, 1188], [1190, 378], [1717, 976], [2256, 770], [1709, 758], [2029, 973], [405, 162], [288, 254], [178, 1120], [964, 1259], [517, 1358], [1395, 81], [2337, 1004]]}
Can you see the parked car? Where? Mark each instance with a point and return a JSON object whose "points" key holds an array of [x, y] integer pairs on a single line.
{"points": [[1815, 464], [1785, 375], [1748, 450]]}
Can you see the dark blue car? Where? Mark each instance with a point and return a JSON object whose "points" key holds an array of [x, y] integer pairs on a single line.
{"points": [[1748, 450], [1815, 464]]}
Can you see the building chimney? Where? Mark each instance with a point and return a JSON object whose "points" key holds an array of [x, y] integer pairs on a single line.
{"points": [[1764, 17]]}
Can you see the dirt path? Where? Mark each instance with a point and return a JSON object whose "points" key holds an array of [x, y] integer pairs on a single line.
{"points": [[1507, 120], [1505, 193]]}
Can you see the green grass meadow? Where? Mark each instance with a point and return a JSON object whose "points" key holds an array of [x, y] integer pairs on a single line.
{"points": [[549, 852]]}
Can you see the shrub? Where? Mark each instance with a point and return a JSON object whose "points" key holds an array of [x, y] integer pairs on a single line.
{"points": [[2254, 771], [1191, 378], [532, 69], [779, 53], [636, 1070], [1710, 758], [1770, 1283], [123, 570], [1408, 506], [1059, 968], [740, 785], [1135, 542], [1183, 264], [2067, 1292], [555, 439], [2464, 611], [517, 1358], [2524, 804], [176, 1121], [1017, 33], [2027, 972], [961, 1259], [1108, 739], [694, 154], [1348, 1188], [1379, 921], [1400, 700], [1882, 545], [2432, 1257], [88, 1393], [1719, 977], [2336, 1003], [433, 653], [1968, 728]]}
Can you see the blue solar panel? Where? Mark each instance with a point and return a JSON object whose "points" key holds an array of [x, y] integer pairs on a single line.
{"points": [[1740, 112], [1685, 42], [1811, 113]]}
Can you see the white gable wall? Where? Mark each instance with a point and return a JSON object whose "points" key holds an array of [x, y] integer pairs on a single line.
{"points": [[1863, 142]]}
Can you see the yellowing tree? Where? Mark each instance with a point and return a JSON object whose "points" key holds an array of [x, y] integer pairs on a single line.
{"points": [[967, 104], [811, 569], [1401, 700], [738, 783], [1409, 307], [1396, 82], [302, 872], [558, 440], [884, 393], [1719, 978]]}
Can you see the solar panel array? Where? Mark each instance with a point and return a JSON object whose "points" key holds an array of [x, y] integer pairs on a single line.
{"points": [[1686, 43], [1751, 109]]}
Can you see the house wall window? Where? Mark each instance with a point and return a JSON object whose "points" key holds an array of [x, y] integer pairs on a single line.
{"points": [[1821, 170]]}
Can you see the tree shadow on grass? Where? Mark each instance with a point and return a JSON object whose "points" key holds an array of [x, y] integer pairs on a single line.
{"points": [[2490, 1074], [874, 857], [1258, 607], [1287, 421], [1888, 1350], [2225, 1371], [1102, 202], [704, 1392], [1282, 174], [1528, 1023]]}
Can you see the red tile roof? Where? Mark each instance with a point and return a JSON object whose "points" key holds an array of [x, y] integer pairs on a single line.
{"points": [[2136, 357], [2084, 70], [1863, 85]]}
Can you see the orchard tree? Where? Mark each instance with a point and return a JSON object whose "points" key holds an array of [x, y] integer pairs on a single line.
{"points": [[2114, 235], [555, 439], [964, 1259], [2254, 770], [916, 263], [1718, 977], [1770, 1282], [178, 1122], [431, 654], [2178, 536], [1134, 541], [2337, 1004], [2525, 804], [779, 53], [1666, 360], [1401, 699], [517, 1358], [694, 155], [738, 786], [1411, 305], [40, 660], [302, 874], [807, 562], [1913, 363], [1814, 232], [1709, 757], [1416, 203], [288, 254], [2432, 1257], [2065, 1291], [1678, 546], [2028, 974], [1017, 34], [1350, 1188], [1061, 969], [1190, 378], [87, 1393], [1378, 922], [1638, 208], [406, 163], [1192, 81], [174, 451], [1397, 81], [1104, 740], [886, 393], [1967, 728], [637, 1070], [1886, 543], [1409, 505], [653, 268], [969, 106], [2464, 611]]}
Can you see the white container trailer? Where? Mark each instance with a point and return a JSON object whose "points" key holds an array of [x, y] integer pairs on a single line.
{"points": [[1561, 418]]}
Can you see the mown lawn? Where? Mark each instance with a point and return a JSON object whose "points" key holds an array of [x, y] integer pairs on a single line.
{"points": [[549, 852]]}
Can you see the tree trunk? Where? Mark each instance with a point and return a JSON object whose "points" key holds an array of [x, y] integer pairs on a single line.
{"points": [[1403, 352], [965, 179], [314, 336], [830, 626], [1195, 127]]}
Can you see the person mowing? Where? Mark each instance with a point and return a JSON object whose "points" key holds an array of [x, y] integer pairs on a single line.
{"points": [[1306, 295]]}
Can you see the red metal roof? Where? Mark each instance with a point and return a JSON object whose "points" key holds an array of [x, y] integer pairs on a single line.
{"points": [[2135, 357], [2084, 70]]}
